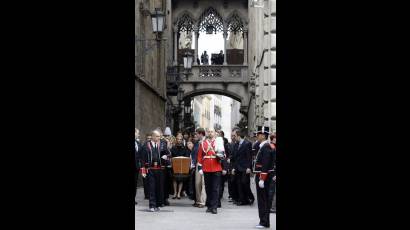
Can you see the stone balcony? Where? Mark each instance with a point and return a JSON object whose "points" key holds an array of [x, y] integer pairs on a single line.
{"points": [[217, 73]]}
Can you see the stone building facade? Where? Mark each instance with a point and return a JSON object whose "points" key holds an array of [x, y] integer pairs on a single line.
{"points": [[153, 58], [262, 64], [150, 67]]}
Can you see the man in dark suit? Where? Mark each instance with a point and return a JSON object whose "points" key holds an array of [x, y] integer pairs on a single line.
{"points": [[242, 168], [232, 188], [137, 158]]}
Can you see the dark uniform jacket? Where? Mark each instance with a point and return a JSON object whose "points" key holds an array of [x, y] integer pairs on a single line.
{"points": [[151, 158], [265, 161]]}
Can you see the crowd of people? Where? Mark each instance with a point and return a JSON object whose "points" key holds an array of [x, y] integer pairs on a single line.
{"points": [[214, 162]]}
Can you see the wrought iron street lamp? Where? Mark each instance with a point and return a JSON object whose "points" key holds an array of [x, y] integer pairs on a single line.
{"points": [[158, 19], [188, 61]]}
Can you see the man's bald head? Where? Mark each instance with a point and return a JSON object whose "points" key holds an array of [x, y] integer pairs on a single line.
{"points": [[155, 135]]}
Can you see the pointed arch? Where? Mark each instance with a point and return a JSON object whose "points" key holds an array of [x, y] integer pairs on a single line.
{"points": [[185, 21], [210, 20], [234, 22]]}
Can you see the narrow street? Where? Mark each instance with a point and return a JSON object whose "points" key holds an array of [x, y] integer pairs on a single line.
{"points": [[181, 215]]}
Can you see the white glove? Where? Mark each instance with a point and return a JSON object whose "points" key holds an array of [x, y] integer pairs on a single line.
{"points": [[229, 161], [164, 157], [233, 171], [224, 172], [192, 166], [248, 170], [261, 184], [144, 175], [201, 172], [274, 178]]}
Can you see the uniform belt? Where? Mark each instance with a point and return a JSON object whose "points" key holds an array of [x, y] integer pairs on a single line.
{"points": [[259, 172], [156, 167], [209, 157]]}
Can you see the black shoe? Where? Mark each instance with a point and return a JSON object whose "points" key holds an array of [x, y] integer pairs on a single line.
{"points": [[214, 211], [243, 203], [219, 205], [166, 203], [174, 197], [208, 210]]}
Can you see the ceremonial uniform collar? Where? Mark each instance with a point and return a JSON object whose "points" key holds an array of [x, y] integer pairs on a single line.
{"points": [[263, 143]]}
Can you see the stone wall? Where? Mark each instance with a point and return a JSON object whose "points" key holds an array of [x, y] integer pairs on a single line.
{"points": [[262, 62], [150, 83]]}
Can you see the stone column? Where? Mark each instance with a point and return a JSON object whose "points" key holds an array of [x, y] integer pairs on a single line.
{"points": [[245, 46], [175, 46], [225, 34], [196, 30]]}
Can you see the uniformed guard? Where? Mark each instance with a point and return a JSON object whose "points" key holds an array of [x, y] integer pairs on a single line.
{"points": [[153, 158], [210, 153], [264, 169]]}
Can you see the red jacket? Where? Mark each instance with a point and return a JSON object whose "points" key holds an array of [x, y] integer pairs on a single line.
{"points": [[207, 158]]}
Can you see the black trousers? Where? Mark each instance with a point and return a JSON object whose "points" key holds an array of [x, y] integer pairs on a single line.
{"points": [[272, 190], [222, 187], [167, 187], [263, 206], [243, 183], [146, 188], [232, 187], [156, 190], [212, 184], [192, 190]]}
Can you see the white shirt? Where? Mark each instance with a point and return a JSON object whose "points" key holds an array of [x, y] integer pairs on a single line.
{"points": [[136, 146], [154, 144], [260, 146]]}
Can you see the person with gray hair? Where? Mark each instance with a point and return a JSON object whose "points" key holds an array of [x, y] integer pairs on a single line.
{"points": [[153, 157]]}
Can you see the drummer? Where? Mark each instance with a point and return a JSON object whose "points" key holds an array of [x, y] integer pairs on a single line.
{"points": [[178, 150]]}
